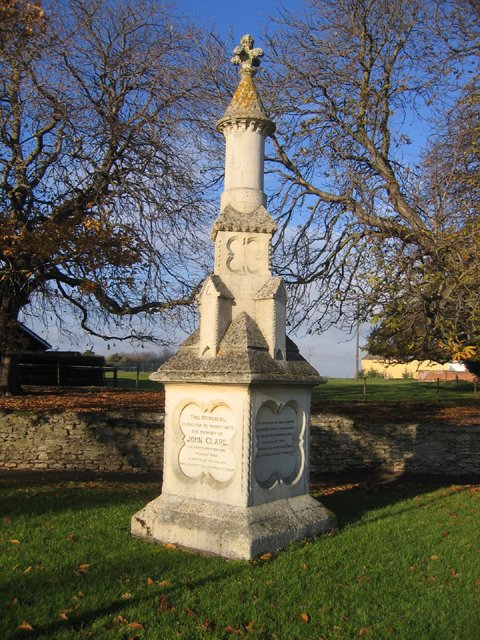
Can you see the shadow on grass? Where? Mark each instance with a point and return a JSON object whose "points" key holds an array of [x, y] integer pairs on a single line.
{"points": [[138, 562], [350, 498], [352, 501], [18, 499]]}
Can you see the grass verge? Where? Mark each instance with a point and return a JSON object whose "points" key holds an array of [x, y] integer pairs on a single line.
{"points": [[405, 564], [347, 389], [379, 390]]}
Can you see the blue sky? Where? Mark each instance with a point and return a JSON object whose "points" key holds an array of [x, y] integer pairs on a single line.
{"points": [[332, 353], [244, 16]]}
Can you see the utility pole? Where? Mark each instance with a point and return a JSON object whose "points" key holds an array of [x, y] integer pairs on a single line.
{"points": [[357, 343]]}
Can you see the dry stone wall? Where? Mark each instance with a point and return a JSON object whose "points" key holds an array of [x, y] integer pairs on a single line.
{"points": [[100, 442], [133, 442], [340, 445]]}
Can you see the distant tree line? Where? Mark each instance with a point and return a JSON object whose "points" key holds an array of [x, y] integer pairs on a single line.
{"points": [[151, 358]]}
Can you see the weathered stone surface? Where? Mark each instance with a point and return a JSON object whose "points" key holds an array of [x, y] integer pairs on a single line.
{"points": [[258, 221], [101, 442], [246, 104], [341, 445], [253, 363], [228, 531], [107, 442]]}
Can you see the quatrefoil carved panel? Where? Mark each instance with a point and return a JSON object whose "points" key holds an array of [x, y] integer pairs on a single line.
{"points": [[244, 255]]}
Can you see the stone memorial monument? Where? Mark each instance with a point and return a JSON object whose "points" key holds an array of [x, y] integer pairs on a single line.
{"points": [[238, 391]]}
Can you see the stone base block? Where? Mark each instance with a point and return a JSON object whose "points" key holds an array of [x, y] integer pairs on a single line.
{"points": [[231, 532]]}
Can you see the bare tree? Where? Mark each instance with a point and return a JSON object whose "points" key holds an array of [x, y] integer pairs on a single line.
{"points": [[432, 305], [366, 225], [102, 186]]}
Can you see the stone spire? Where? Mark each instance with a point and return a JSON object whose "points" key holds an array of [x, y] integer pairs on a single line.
{"points": [[237, 393], [242, 306]]}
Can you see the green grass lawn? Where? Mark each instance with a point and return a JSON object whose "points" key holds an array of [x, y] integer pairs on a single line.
{"points": [[405, 564], [346, 389], [378, 390], [128, 380]]}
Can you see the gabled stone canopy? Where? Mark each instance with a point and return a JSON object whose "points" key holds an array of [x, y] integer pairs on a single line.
{"points": [[242, 356], [274, 288]]}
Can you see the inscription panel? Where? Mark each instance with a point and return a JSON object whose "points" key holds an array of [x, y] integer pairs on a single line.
{"points": [[207, 438], [278, 455]]}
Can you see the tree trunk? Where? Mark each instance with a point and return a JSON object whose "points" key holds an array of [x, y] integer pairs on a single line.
{"points": [[9, 379], [10, 343]]}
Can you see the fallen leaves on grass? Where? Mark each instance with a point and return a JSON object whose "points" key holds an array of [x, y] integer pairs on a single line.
{"points": [[388, 411], [305, 617], [136, 625], [344, 487], [131, 625], [164, 583], [164, 603], [64, 613], [86, 399], [25, 626], [83, 399], [206, 624], [235, 631], [14, 541], [363, 632], [82, 568]]}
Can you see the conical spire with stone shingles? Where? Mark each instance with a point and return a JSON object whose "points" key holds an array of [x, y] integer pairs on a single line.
{"points": [[246, 103]]}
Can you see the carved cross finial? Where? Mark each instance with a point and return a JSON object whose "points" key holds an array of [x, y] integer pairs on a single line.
{"points": [[246, 56]]}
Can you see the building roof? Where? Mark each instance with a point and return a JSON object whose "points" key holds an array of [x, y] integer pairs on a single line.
{"points": [[35, 342]]}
